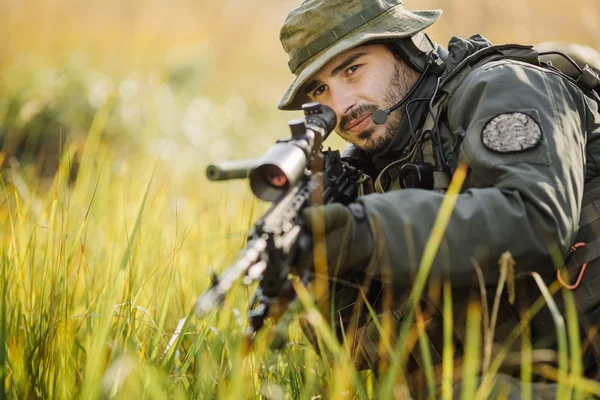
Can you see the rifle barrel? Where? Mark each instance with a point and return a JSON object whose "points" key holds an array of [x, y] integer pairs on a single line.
{"points": [[234, 169]]}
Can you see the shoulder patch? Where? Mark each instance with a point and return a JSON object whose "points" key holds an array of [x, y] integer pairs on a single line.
{"points": [[511, 133]]}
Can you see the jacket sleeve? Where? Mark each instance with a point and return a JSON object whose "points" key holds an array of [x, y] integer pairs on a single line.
{"points": [[523, 201]]}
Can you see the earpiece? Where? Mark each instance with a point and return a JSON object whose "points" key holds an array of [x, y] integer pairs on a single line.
{"points": [[418, 51]]}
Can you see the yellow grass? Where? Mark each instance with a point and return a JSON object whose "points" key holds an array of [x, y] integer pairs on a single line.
{"points": [[98, 271]]}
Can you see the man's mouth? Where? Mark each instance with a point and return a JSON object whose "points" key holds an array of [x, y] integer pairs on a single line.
{"points": [[359, 124]]}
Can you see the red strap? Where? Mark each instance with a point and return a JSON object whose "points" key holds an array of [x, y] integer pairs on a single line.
{"points": [[583, 267]]}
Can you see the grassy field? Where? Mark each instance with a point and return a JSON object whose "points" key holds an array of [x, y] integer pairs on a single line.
{"points": [[109, 113]]}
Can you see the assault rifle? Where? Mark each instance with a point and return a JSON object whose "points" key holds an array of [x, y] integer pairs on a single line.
{"points": [[290, 174]]}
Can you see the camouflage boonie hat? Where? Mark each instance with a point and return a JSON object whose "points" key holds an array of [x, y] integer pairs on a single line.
{"points": [[319, 30]]}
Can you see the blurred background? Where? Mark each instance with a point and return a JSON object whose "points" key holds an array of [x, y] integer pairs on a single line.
{"points": [[130, 100], [191, 82]]}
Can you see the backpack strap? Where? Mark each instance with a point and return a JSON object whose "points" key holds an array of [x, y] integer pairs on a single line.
{"points": [[449, 84], [582, 263]]}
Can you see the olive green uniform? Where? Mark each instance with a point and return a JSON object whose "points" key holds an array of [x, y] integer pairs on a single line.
{"points": [[526, 201]]}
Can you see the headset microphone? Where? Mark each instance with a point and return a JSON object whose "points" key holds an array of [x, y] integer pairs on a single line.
{"points": [[380, 117]]}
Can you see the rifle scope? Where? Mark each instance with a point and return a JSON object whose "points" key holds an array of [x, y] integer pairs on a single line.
{"points": [[283, 165]]}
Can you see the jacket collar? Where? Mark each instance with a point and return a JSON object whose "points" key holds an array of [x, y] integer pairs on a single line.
{"points": [[458, 50]]}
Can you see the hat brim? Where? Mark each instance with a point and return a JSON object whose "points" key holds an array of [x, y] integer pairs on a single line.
{"points": [[395, 23]]}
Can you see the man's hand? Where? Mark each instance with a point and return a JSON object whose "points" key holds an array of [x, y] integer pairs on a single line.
{"points": [[348, 237]]}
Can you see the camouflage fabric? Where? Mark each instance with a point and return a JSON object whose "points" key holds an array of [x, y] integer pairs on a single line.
{"points": [[524, 199], [504, 190], [319, 30], [523, 193]]}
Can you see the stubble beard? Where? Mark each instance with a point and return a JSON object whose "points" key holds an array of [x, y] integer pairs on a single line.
{"points": [[377, 138]]}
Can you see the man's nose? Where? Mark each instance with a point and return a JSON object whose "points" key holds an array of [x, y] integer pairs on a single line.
{"points": [[342, 101]]}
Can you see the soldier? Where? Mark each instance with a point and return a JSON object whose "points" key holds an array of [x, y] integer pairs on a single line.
{"points": [[413, 112]]}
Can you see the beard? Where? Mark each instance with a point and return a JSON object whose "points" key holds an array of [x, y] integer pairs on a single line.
{"points": [[378, 137]]}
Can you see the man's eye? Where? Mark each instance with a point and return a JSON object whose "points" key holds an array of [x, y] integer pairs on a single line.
{"points": [[353, 69], [320, 90]]}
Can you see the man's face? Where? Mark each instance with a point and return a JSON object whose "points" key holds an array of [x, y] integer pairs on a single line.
{"points": [[355, 84]]}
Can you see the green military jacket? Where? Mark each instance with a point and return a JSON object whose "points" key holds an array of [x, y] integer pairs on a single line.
{"points": [[531, 141], [523, 197]]}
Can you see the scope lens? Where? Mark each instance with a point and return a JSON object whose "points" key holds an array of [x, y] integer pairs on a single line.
{"points": [[274, 176]]}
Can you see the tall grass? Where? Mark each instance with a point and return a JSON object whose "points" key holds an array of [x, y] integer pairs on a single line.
{"points": [[98, 273], [109, 230]]}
